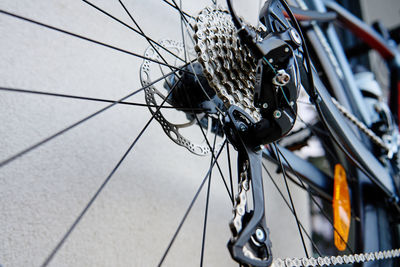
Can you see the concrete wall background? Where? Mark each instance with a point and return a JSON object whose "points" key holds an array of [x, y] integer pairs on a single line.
{"points": [[135, 216]]}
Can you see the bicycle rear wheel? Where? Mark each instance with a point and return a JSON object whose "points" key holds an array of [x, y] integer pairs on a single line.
{"points": [[52, 168]]}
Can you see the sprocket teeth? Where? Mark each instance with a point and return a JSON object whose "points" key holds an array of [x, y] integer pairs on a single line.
{"points": [[227, 65]]}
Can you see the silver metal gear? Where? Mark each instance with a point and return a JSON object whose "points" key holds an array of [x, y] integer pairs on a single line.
{"points": [[227, 64]]}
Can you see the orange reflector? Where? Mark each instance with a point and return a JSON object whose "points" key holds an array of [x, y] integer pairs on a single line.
{"points": [[341, 208]]}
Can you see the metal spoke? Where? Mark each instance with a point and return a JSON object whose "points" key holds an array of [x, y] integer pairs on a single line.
{"points": [[183, 33], [212, 150], [206, 209], [183, 13], [291, 201], [17, 90], [189, 208], [209, 145], [94, 197], [140, 32], [87, 39], [229, 167], [38, 144], [290, 208], [145, 36], [212, 154], [183, 19], [314, 200]]}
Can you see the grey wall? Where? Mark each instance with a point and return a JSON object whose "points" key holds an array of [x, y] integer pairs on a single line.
{"points": [[42, 192]]}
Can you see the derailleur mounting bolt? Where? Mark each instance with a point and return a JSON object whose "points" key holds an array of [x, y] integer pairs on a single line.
{"points": [[260, 235], [295, 36]]}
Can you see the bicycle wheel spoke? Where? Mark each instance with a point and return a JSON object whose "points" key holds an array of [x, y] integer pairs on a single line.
{"points": [[91, 201], [229, 167], [203, 242], [291, 210], [183, 19], [212, 154], [87, 39], [315, 201], [183, 13], [291, 201], [17, 90], [140, 32], [38, 144], [190, 207], [145, 36], [183, 32], [212, 150]]}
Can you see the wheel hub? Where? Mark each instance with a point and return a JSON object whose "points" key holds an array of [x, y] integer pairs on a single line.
{"points": [[197, 107]]}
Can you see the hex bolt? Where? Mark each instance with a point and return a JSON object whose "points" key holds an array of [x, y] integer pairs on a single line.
{"points": [[270, 60], [295, 36], [286, 49], [277, 114], [281, 78], [242, 127], [260, 235], [265, 105]]}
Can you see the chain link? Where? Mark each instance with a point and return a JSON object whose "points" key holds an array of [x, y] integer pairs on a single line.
{"points": [[376, 139], [239, 208], [336, 260]]}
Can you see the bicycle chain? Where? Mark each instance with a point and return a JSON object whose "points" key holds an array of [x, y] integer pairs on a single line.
{"points": [[228, 66], [362, 127], [337, 260], [239, 208]]}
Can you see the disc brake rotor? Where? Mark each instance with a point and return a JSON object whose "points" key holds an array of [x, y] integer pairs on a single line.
{"points": [[154, 91]]}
